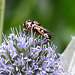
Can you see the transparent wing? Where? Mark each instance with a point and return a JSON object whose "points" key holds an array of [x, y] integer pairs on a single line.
{"points": [[46, 30]]}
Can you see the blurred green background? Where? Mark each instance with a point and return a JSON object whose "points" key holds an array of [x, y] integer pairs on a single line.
{"points": [[57, 16]]}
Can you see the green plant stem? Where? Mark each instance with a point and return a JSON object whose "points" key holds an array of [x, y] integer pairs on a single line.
{"points": [[2, 8]]}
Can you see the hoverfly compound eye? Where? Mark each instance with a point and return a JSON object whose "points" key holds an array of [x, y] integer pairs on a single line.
{"points": [[25, 25]]}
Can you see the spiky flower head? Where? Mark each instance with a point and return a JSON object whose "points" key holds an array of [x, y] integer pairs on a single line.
{"points": [[22, 54]]}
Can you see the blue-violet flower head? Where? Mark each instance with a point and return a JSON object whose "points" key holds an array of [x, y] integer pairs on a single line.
{"points": [[22, 54]]}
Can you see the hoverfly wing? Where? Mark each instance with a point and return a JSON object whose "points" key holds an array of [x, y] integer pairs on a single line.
{"points": [[51, 33], [46, 30]]}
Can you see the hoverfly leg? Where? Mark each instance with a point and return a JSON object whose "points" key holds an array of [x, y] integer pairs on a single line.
{"points": [[25, 30], [44, 44]]}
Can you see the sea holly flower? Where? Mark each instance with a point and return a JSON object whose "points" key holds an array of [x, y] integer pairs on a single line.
{"points": [[22, 54]]}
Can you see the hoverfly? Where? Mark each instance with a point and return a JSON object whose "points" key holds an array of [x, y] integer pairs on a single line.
{"points": [[38, 29]]}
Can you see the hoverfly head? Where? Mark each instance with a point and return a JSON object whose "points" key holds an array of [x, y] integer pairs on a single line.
{"points": [[27, 24]]}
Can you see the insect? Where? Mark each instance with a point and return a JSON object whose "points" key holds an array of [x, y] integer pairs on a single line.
{"points": [[38, 29]]}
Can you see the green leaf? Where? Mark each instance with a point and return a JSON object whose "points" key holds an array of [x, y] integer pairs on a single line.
{"points": [[2, 7], [68, 57], [3, 56]]}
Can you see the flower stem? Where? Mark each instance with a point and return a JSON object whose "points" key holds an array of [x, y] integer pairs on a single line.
{"points": [[2, 8]]}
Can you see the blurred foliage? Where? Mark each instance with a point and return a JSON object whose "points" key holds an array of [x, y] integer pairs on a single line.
{"points": [[57, 16]]}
